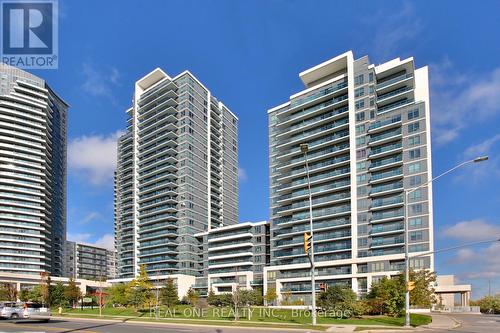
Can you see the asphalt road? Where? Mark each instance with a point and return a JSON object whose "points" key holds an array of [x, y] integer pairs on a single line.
{"points": [[473, 323], [104, 326]]}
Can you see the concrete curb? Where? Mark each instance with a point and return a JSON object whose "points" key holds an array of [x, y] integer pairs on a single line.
{"points": [[152, 323]]}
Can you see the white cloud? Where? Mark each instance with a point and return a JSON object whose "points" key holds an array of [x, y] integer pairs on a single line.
{"points": [[482, 263], [402, 26], [99, 83], [489, 170], [92, 216], [474, 230], [93, 157], [79, 237], [460, 100], [107, 241], [242, 175]]}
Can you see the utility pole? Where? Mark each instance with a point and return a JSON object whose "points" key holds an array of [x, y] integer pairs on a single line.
{"points": [[310, 254], [406, 227]]}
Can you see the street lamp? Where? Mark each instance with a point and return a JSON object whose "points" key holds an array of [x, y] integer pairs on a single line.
{"points": [[406, 198], [304, 148]]}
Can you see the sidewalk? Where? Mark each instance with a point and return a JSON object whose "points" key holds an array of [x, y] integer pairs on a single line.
{"points": [[443, 321]]}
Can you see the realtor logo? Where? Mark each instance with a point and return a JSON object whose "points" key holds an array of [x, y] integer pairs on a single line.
{"points": [[29, 33]]}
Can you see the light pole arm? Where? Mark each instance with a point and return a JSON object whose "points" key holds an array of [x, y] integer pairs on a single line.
{"points": [[443, 174]]}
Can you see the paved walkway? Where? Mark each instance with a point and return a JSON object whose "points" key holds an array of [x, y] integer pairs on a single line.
{"points": [[443, 321]]}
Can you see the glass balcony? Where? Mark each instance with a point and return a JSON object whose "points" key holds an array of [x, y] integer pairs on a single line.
{"points": [[386, 174], [387, 187], [316, 118], [395, 105], [320, 93], [386, 161], [394, 80], [398, 213], [394, 93], [387, 201], [317, 142], [318, 165], [387, 241], [385, 135], [381, 228], [386, 148], [316, 130], [321, 152], [317, 201], [316, 226]]}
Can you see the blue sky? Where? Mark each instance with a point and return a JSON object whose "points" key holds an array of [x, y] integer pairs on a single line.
{"points": [[249, 53]]}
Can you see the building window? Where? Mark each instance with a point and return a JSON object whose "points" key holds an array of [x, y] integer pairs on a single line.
{"points": [[416, 222], [360, 104], [361, 178], [417, 194], [360, 141], [413, 127], [377, 266], [359, 92], [362, 190], [370, 76], [359, 79], [414, 168], [415, 153], [415, 180], [413, 114], [360, 166], [360, 116], [416, 235], [361, 153], [417, 263], [414, 140], [360, 129], [416, 209]]}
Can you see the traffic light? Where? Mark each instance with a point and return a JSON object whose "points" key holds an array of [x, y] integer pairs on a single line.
{"points": [[307, 242], [410, 285]]}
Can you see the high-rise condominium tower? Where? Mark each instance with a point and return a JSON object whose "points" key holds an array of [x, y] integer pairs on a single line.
{"points": [[177, 175], [368, 132], [32, 174]]}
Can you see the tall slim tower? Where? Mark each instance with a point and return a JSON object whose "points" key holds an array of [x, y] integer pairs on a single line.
{"points": [[33, 132], [177, 175], [368, 131]]}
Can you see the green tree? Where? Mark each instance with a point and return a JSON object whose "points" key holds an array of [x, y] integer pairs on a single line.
{"points": [[117, 294], [45, 288], [57, 295], [139, 290], [35, 294], [257, 297], [24, 295], [488, 304], [270, 296], [72, 292], [212, 299], [192, 296], [387, 296], [168, 294], [8, 292], [287, 296], [340, 299], [423, 295]]}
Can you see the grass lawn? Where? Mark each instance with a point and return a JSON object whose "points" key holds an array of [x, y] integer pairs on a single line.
{"points": [[255, 315]]}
